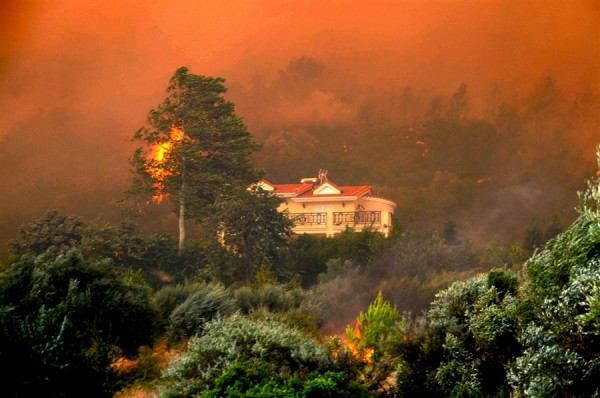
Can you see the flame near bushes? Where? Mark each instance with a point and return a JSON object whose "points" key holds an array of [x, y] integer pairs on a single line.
{"points": [[366, 340]]}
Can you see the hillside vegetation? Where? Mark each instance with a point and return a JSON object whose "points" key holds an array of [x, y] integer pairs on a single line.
{"points": [[72, 311], [240, 307]]}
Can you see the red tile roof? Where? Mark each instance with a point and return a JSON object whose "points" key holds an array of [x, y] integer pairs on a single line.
{"points": [[307, 190]]}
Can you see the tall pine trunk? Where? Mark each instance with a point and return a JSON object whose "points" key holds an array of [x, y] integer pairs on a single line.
{"points": [[182, 202], [181, 221]]}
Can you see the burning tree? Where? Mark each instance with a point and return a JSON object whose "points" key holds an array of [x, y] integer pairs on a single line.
{"points": [[368, 341], [196, 147], [372, 328]]}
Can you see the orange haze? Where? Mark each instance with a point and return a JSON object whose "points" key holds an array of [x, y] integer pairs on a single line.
{"points": [[77, 78]]}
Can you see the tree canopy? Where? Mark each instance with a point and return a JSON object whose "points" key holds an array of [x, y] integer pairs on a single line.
{"points": [[201, 148]]}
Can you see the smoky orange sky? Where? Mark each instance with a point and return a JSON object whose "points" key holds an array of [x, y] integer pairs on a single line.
{"points": [[77, 78], [116, 58]]}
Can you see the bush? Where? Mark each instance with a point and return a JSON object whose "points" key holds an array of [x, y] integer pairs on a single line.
{"points": [[53, 231], [62, 322], [288, 304], [275, 298], [560, 335], [535, 334], [234, 343], [504, 282], [189, 318], [470, 339], [300, 319], [170, 297], [409, 271], [333, 385], [250, 380]]}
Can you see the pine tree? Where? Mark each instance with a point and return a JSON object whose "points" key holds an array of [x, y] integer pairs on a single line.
{"points": [[201, 147]]}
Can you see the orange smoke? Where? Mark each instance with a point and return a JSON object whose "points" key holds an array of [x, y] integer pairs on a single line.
{"points": [[159, 156]]}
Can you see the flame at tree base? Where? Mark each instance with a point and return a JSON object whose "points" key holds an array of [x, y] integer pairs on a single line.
{"points": [[356, 345]]}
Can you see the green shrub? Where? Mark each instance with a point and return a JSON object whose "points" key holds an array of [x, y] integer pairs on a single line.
{"points": [[62, 322], [52, 231], [237, 340], [333, 385], [251, 380], [189, 318], [505, 282], [155, 255], [287, 304], [560, 334], [170, 297], [535, 334], [275, 298], [302, 320], [470, 340]]}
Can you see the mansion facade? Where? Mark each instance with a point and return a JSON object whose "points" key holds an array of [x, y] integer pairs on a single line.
{"points": [[320, 207]]}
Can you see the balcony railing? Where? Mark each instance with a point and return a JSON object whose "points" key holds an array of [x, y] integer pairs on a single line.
{"points": [[308, 219], [357, 217]]}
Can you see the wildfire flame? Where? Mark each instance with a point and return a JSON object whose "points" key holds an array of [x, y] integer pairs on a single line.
{"points": [[160, 154], [425, 146], [356, 345]]}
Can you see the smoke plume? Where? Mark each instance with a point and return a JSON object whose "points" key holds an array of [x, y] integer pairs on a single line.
{"points": [[77, 78]]}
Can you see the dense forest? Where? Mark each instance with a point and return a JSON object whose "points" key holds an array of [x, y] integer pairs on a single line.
{"points": [[490, 165], [238, 306]]}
